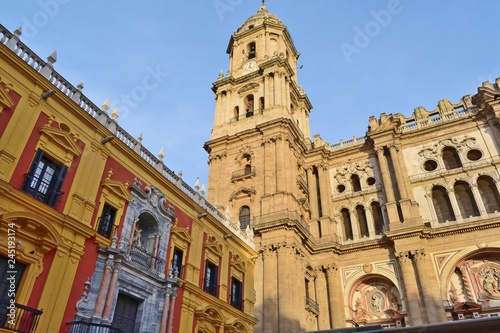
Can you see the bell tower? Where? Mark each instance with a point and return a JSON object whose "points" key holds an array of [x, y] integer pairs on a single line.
{"points": [[256, 159]]}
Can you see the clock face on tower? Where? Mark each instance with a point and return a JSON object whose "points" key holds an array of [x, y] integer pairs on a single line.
{"points": [[249, 67]]}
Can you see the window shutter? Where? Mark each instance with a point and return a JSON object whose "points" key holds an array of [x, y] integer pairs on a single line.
{"points": [[29, 176], [57, 185]]}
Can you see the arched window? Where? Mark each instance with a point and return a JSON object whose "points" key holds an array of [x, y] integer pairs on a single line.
{"points": [[346, 221], [356, 185], [451, 159], [251, 51], [465, 199], [442, 204], [363, 224], [249, 105], [378, 219], [236, 112], [489, 194], [244, 217], [248, 169]]}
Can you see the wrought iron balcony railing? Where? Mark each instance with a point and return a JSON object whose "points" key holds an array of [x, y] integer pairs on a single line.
{"points": [[146, 260], [85, 327], [18, 318]]}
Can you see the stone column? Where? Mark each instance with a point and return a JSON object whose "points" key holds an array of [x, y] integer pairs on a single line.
{"points": [[354, 224], [313, 193], [429, 287], [412, 298], [155, 251], [335, 296], [285, 301], [111, 292], [164, 314], [281, 165], [454, 205], [324, 184], [269, 167], [101, 296], [394, 152], [322, 299], [479, 200], [370, 222], [270, 304], [171, 313], [392, 212]]}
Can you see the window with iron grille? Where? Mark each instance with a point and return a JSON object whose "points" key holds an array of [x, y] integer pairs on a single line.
{"points": [[107, 221], [44, 179], [177, 261], [236, 293], [211, 277]]}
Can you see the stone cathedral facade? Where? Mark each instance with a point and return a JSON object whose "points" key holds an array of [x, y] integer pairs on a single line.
{"points": [[396, 228]]}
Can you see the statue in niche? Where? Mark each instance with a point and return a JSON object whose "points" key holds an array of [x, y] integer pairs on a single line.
{"points": [[377, 302], [490, 277], [137, 237]]}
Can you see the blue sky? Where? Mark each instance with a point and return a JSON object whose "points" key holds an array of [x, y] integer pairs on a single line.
{"points": [[157, 60]]}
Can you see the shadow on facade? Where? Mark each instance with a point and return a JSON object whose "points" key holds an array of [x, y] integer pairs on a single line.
{"points": [[272, 321]]}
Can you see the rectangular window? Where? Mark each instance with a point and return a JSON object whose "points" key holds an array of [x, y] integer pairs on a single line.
{"points": [[236, 293], [211, 278], [177, 261], [107, 221], [44, 179]]}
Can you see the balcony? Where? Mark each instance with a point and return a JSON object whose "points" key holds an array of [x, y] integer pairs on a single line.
{"points": [[312, 305], [244, 173], [18, 318], [85, 327], [146, 260]]}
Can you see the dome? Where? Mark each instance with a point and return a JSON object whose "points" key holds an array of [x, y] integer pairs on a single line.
{"points": [[258, 18]]}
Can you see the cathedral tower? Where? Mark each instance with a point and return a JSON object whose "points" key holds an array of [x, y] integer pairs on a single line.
{"points": [[260, 134]]}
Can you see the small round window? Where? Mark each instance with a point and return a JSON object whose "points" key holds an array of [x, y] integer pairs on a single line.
{"points": [[474, 154], [370, 181], [430, 165], [341, 188]]}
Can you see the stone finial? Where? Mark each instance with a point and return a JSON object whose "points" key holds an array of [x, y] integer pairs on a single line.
{"points": [[179, 173], [110, 173], [161, 154], [115, 114], [105, 105], [202, 191], [221, 75], [12, 42], [139, 138], [80, 86], [52, 58], [18, 32], [197, 184]]}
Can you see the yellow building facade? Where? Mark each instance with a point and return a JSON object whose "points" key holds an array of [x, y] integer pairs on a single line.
{"points": [[396, 228], [96, 232]]}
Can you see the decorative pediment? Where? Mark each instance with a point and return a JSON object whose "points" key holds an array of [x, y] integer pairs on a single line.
{"points": [[182, 234], [117, 188], [236, 327], [468, 307], [237, 263], [211, 315], [5, 100], [243, 192], [59, 143], [213, 246], [248, 87]]}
